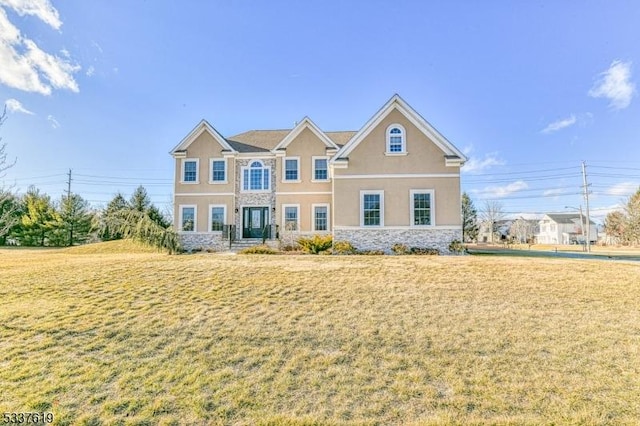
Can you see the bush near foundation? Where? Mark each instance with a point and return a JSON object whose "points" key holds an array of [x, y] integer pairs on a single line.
{"points": [[316, 244], [344, 247], [259, 250], [425, 251]]}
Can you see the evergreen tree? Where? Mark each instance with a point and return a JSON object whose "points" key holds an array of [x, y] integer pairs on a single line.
{"points": [[39, 219], [75, 219], [110, 218], [469, 219], [140, 200], [632, 210]]}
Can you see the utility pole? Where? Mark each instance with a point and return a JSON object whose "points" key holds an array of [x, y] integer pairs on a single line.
{"points": [[585, 186], [69, 206]]}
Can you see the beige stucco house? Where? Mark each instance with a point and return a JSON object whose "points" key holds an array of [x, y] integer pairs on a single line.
{"points": [[396, 180]]}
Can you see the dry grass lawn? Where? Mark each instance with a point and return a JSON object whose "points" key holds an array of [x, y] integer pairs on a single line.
{"points": [[97, 336]]}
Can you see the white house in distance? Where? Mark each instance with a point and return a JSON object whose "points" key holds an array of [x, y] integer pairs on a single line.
{"points": [[565, 228]]}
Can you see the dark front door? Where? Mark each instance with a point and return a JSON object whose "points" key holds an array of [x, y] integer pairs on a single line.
{"points": [[254, 219]]}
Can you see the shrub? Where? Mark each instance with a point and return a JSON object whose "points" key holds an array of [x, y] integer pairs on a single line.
{"points": [[457, 247], [344, 247], [400, 249], [425, 251], [315, 244], [261, 249], [371, 252]]}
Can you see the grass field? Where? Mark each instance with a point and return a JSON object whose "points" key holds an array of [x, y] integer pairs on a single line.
{"points": [[97, 336]]}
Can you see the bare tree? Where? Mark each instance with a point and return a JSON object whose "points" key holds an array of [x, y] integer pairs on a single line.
{"points": [[491, 215], [8, 203]]}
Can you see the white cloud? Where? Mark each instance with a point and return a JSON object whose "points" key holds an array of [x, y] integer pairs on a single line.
{"points": [[623, 189], [14, 105], [54, 123], [560, 124], [615, 84], [39, 8], [23, 65], [504, 191], [554, 192], [476, 165], [90, 71]]}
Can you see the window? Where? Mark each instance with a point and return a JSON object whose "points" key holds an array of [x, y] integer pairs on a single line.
{"points": [[320, 169], [372, 208], [422, 208], [320, 217], [190, 171], [291, 172], [218, 171], [395, 139], [291, 217], [188, 218], [256, 177], [217, 218]]}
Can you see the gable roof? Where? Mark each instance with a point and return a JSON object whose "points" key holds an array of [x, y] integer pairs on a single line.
{"points": [[202, 127], [567, 218], [306, 123], [397, 103], [267, 140]]}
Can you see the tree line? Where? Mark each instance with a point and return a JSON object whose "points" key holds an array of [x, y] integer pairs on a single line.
{"points": [[623, 226], [33, 219]]}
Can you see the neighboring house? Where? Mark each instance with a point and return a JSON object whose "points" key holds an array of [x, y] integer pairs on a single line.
{"points": [[565, 228], [500, 231], [523, 230], [396, 180]]}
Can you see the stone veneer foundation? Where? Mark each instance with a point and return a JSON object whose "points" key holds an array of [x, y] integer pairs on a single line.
{"points": [[384, 239]]}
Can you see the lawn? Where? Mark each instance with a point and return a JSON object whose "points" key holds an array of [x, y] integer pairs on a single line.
{"points": [[97, 336]]}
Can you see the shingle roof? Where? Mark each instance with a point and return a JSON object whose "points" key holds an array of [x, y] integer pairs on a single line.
{"points": [[266, 140], [568, 218]]}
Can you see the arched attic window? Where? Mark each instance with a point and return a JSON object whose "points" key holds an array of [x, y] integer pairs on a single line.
{"points": [[396, 139]]}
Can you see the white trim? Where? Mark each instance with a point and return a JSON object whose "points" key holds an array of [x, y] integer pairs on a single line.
{"points": [[397, 103], [400, 176], [432, 207], [305, 193], [201, 127], [202, 194], [403, 150], [364, 192], [255, 156], [181, 207], [313, 168], [284, 218], [248, 167], [284, 169], [195, 182], [406, 228], [224, 217], [313, 216], [306, 123], [226, 172]]}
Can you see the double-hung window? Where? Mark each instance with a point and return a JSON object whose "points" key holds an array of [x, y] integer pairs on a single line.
{"points": [[372, 208], [256, 177], [321, 217], [217, 218], [218, 171], [190, 171], [291, 217], [188, 218], [422, 209], [291, 169], [320, 168]]}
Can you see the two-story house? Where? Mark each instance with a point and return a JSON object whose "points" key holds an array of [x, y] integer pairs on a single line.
{"points": [[565, 228], [396, 180]]}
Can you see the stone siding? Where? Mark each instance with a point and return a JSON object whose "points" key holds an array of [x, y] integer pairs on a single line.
{"points": [[384, 239], [203, 240], [248, 199]]}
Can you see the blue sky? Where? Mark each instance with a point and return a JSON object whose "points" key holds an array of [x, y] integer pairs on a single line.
{"points": [[527, 89]]}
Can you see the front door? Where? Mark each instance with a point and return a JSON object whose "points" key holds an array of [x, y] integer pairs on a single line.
{"points": [[254, 219]]}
